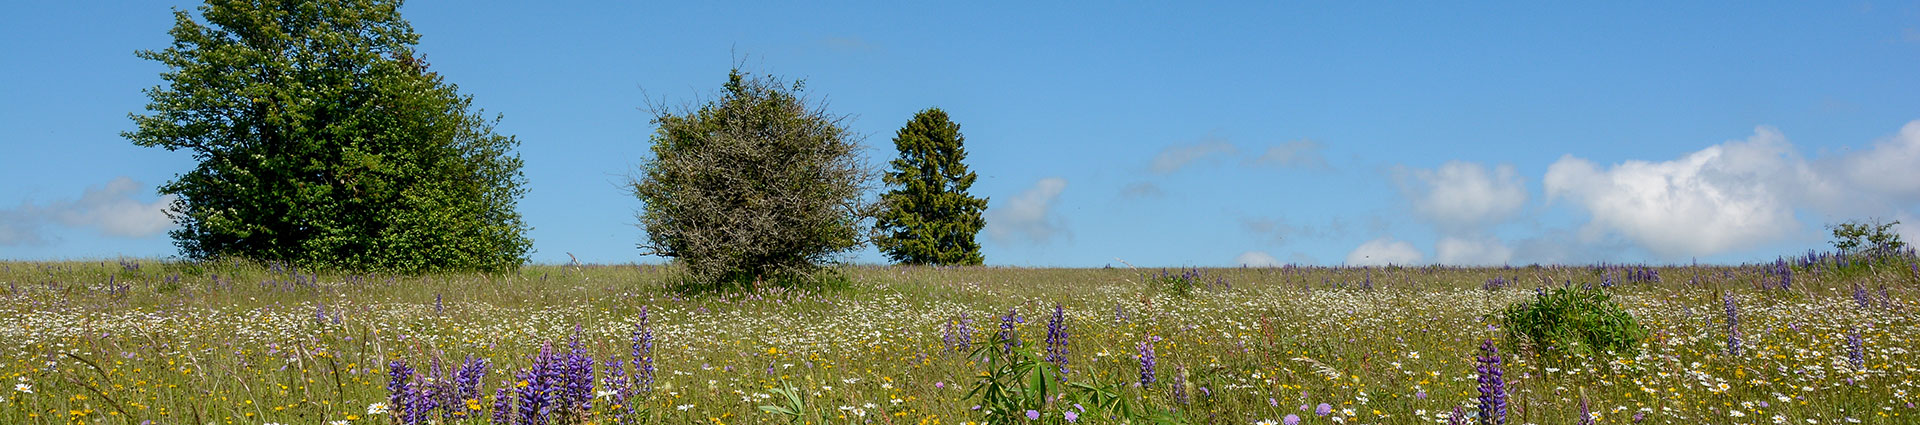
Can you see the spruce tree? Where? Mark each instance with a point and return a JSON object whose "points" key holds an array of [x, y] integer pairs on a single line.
{"points": [[324, 141], [928, 217]]}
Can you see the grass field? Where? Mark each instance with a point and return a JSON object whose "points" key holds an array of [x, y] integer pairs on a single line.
{"points": [[172, 343]]}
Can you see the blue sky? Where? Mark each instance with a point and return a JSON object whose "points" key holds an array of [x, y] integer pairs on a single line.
{"points": [[1158, 134]]}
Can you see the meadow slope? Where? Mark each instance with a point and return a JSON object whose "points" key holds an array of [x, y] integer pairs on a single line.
{"points": [[130, 342]]}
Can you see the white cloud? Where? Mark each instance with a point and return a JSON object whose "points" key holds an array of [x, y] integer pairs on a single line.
{"points": [[1030, 215], [1174, 158], [1463, 196], [1256, 259], [1891, 167], [1724, 197], [1294, 154], [1486, 251], [1383, 251], [110, 209]]}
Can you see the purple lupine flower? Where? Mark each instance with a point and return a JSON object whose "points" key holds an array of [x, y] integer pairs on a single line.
{"points": [[422, 401], [1459, 416], [1733, 326], [399, 383], [643, 354], [1860, 296], [1786, 273], [577, 367], [621, 387], [1119, 314], [466, 381], [1057, 340], [540, 388], [1180, 385], [1146, 362], [530, 400], [1856, 352], [1009, 337], [503, 404], [1493, 386], [1586, 413], [958, 334], [439, 308], [440, 393]]}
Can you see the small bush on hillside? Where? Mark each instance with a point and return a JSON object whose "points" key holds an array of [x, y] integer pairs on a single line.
{"points": [[1574, 321], [1873, 238], [753, 186], [1184, 283]]}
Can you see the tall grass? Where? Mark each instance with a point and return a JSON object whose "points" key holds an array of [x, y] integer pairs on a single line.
{"points": [[141, 340]]}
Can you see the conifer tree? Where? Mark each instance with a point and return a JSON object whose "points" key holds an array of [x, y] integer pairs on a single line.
{"points": [[928, 217]]}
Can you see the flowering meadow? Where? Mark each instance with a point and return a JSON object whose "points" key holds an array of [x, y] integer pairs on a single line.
{"points": [[1802, 341]]}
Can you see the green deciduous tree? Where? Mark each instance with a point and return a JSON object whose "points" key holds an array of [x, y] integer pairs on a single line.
{"points": [[753, 185], [1871, 237], [928, 217], [324, 141]]}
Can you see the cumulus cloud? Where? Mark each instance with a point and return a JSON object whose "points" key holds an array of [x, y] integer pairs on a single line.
{"points": [[1384, 251], [1483, 251], [1890, 168], [1711, 201], [1463, 196], [1256, 259], [1295, 154], [110, 210], [1028, 216], [1175, 158]]}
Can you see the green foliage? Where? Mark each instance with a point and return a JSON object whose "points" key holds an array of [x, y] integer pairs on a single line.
{"points": [[1574, 322], [754, 185], [324, 141], [1873, 238], [1021, 381], [928, 217], [1183, 284], [794, 405]]}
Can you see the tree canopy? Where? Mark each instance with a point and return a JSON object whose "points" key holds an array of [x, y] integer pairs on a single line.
{"points": [[323, 140]]}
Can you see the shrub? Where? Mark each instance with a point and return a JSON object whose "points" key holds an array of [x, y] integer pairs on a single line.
{"points": [[1871, 237], [754, 185], [1574, 322], [1184, 283]]}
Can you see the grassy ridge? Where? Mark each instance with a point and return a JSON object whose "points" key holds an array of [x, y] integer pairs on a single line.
{"points": [[126, 342]]}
